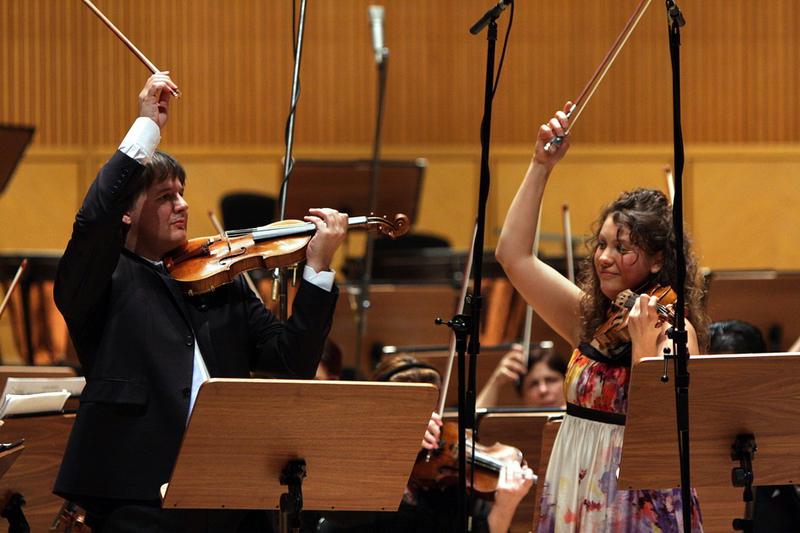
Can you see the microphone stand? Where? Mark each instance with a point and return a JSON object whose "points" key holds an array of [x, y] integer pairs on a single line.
{"points": [[279, 275], [466, 327], [678, 332], [366, 278]]}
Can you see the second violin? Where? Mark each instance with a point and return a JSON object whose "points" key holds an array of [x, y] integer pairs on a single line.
{"points": [[439, 468]]}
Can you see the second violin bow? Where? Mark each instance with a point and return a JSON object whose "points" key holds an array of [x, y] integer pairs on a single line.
{"points": [[13, 285], [670, 182], [577, 107], [568, 255]]}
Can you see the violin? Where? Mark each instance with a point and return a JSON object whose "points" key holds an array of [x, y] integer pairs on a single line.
{"points": [[205, 263], [439, 468], [612, 337]]}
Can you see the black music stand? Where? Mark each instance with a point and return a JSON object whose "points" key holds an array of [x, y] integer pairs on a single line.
{"points": [[12, 510], [344, 185], [13, 142], [739, 404], [245, 437]]}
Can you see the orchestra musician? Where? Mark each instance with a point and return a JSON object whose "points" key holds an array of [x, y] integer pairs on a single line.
{"points": [[539, 382], [433, 510], [146, 348], [632, 248]]}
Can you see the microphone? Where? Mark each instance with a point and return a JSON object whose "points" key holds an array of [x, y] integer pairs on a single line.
{"points": [[376, 21], [492, 14]]}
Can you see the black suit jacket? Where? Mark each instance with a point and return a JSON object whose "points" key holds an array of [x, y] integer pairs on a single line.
{"points": [[134, 332]]}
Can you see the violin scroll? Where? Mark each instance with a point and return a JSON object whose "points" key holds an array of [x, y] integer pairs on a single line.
{"points": [[391, 228]]}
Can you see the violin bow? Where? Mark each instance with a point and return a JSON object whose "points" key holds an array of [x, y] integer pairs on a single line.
{"points": [[13, 285], [670, 182], [580, 102], [127, 42], [463, 296], [527, 332], [568, 243]]}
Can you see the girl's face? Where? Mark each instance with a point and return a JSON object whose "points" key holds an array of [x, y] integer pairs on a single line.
{"points": [[618, 263]]}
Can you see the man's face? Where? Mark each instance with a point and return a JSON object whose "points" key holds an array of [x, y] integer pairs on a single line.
{"points": [[158, 220]]}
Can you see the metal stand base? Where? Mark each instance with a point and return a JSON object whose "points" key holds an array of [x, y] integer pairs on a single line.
{"points": [[17, 523], [292, 475], [742, 450]]}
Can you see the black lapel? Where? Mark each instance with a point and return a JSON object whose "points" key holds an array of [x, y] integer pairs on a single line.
{"points": [[172, 287]]}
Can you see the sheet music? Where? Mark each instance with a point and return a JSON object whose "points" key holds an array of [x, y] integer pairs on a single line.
{"points": [[73, 385], [43, 402], [38, 395]]}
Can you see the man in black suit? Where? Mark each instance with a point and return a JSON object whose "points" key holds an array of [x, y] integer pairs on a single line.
{"points": [[146, 348]]}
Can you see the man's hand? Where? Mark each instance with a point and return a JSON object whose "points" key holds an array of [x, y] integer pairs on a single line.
{"points": [[331, 231], [154, 98]]}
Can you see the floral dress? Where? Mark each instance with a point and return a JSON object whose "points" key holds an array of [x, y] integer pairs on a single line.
{"points": [[580, 492]]}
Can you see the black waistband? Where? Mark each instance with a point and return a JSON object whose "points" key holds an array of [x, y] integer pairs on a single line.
{"points": [[595, 415], [623, 359]]}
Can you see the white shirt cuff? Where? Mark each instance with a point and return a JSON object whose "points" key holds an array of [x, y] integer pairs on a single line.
{"points": [[142, 139], [323, 280]]}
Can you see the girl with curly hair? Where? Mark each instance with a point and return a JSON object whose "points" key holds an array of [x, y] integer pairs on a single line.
{"points": [[633, 247]]}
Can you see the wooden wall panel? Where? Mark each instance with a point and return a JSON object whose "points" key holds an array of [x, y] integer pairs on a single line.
{"points": [[38, 207], [587, 179], [738, 199], [67, 74], [745, 218]]}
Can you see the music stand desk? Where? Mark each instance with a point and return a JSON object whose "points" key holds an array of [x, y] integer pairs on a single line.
{"points": [[729, 395], [13, 141], [344, 185], [359, 440], [8, 457]]}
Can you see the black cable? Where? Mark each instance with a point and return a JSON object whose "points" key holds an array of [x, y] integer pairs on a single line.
{"points": [[503, 53], [292, 105], [502, 59]]}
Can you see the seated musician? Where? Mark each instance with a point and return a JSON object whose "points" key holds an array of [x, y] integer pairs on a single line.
{"points": [[146, 348], [735, 336], [540, 383], [434, 510]]}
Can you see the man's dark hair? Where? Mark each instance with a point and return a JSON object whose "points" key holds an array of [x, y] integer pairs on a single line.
{"points": [[735, 336], [157, 169]]}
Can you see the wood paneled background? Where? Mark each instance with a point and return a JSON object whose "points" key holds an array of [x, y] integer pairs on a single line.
{"points": [[65, 73]]}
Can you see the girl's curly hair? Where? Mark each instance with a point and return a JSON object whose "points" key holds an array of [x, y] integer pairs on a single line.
{"points": [[647, 214]]}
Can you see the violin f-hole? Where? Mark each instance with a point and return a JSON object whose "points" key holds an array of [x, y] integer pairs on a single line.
{"points": [[231, 254]]}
